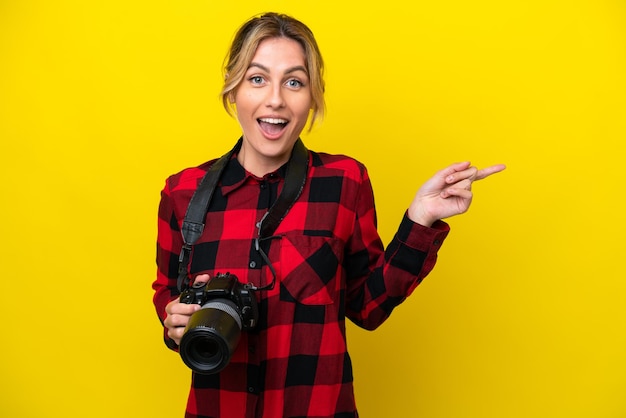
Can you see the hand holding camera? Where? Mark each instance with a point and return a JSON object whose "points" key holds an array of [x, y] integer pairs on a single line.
{"points": [[213, 312], [178, 313]]}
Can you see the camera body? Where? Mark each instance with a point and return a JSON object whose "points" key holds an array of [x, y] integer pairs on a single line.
{"points": [[225, 286], [213, 332]]}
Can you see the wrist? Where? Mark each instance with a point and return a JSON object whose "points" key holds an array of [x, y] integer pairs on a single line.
{"points": [[421, 218]]}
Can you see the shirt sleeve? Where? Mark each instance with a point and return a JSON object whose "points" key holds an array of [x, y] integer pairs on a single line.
{"points": [[169, 244], [379, 279]]}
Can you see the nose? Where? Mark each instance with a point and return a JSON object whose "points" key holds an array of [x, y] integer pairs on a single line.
{"points": [[275, 97]]}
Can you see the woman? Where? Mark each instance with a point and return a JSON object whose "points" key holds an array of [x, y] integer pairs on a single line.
{"points": [[321, 261]]}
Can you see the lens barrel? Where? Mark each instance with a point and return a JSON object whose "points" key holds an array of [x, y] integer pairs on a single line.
{"points": [[211, 336]]}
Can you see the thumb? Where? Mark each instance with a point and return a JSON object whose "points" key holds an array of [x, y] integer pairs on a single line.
{"points": [[202, 278]]}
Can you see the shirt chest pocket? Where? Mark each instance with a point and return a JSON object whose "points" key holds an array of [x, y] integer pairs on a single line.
{"points": [[309, 269]]}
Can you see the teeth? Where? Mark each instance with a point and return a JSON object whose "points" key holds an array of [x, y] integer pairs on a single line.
{"points": [[273, 121]]}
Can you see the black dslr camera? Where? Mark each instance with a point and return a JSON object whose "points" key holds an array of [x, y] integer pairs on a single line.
{"points": [[213, 332]]}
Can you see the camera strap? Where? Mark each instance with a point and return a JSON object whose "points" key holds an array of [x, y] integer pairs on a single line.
{"points": [[193, 224]]}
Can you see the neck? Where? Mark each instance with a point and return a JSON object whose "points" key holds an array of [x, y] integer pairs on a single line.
{"points": [[259, 166]]}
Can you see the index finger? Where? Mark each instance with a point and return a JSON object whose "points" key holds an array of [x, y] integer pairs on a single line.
{"points": [[486, 172], [177, 307]]}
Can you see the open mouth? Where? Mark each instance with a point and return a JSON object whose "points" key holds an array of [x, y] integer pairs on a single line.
{"points": [[272, 126]]}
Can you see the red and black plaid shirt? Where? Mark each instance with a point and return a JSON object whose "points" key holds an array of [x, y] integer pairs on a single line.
{"points": [[330, 264]]}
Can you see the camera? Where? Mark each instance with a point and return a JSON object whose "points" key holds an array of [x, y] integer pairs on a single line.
{"points": [[213, 332]]}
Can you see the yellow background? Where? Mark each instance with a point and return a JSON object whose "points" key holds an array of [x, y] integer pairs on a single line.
{"points": [[524, 316]]}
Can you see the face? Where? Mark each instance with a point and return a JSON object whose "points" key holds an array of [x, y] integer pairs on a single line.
{"points": [[273, 103]]}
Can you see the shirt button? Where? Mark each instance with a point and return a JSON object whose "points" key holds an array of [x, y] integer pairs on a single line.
{"points": [[252, 264], [250, 389]]}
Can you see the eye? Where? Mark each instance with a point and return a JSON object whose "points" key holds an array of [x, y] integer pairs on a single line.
{"points": [[256, 79], [294, 83]]}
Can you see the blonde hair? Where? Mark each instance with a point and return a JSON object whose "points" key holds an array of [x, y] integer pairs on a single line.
{"points": [[246, 42]]}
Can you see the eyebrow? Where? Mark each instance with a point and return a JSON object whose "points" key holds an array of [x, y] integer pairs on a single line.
{"points": [[288, 71]]}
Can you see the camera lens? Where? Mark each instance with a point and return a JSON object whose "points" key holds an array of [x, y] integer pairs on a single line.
{"points": [[207, 349], [211, 336]]}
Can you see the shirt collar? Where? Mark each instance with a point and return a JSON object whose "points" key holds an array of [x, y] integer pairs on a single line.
{"points": [[235, 176]]}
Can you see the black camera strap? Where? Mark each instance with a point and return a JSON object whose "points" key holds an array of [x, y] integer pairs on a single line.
{"points": [[193, 224]]}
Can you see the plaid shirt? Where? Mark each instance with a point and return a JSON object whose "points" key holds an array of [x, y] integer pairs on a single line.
{"points": [[330, 264]]}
